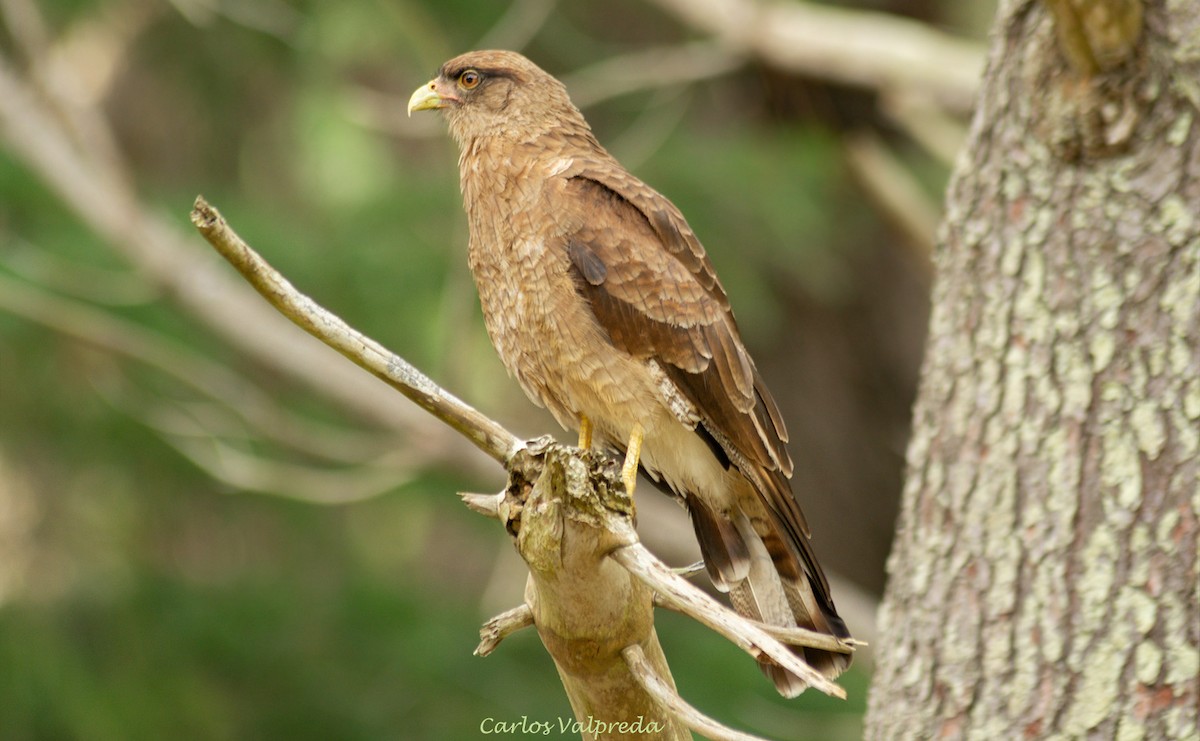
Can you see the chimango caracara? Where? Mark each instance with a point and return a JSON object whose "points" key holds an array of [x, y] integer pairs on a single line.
{"points": [[602, 303]]}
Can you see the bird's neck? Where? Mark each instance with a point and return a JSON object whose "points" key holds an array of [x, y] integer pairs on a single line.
{"points": [[497, 181], [499, 163]]}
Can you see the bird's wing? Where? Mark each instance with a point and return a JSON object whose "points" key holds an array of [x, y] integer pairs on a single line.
{"points": [[653, 289]]}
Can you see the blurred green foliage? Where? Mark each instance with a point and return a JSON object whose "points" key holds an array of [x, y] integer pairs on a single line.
{"points": [[139, 599]]}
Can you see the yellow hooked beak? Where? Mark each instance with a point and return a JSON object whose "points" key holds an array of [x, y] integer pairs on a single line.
{"points": [[428, 97]]}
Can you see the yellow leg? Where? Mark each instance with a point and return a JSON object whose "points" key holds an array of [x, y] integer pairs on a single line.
{"points": [[585, 432], [632, 454]]}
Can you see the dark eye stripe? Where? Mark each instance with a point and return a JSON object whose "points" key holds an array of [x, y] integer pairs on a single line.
{"points": [[485, 72]]}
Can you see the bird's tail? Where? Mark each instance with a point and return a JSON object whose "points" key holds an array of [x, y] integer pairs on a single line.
{"points": [[775, 582], [778, 596]]}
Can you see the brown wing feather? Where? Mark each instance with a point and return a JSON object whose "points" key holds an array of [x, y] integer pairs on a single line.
{"points": [[653, 289], [660, 298]]}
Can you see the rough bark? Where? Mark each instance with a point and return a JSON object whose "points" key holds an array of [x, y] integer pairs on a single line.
{"points": [[1044, 578]]}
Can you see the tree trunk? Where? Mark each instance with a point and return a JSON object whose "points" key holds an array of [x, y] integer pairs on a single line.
{"points": [[1043, 582]]}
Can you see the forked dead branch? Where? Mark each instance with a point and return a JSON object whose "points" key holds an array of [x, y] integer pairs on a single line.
{"points": [[591, 581]]}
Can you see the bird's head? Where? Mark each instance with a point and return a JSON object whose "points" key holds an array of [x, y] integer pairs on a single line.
{"points": [[496, 93]]}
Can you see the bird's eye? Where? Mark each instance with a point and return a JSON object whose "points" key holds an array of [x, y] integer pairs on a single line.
{"points": [[469, 79]]}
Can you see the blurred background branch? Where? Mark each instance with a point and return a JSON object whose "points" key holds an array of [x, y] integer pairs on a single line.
{"points": [[883, 52], [95, 188]]}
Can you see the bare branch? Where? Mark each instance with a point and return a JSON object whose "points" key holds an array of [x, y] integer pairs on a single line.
{"points": [[810, 638], [273, 17], [365, 352], [501, 627], [253, 473], [691, 569], [94, 284], [790, 636], [938, 133], [75, 73], [487, 505], [897, 193], [652, 127], [244, 402], [519, 24], [865, 49], [268, 16], [666, 696], [103, 200], [276, 424], [650, 69], [26, 27], [687, 598]]}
